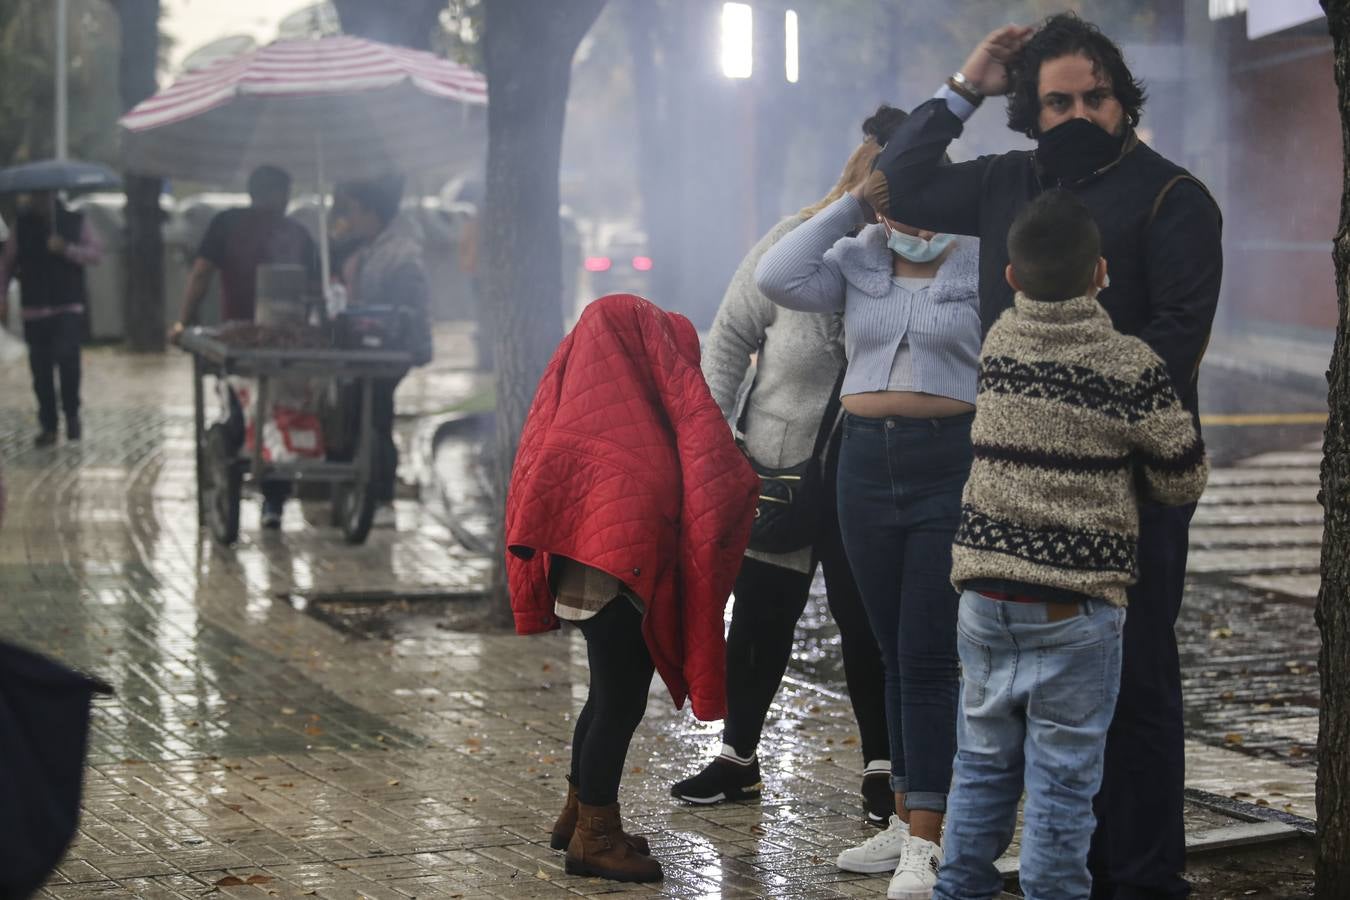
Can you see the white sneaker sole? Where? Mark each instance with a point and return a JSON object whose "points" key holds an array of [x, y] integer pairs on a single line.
{"points": [[867, 868], [922, 894]]}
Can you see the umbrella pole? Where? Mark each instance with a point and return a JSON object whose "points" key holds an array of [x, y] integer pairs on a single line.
{"points": [[323, 226]]}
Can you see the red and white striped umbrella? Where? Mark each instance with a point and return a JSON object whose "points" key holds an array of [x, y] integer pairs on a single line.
{"points": [[334, 108]]}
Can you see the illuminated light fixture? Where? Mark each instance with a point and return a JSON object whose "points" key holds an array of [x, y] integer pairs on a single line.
{"points": [[738, 40], [790, 70], [597, 264], [1224, 9], [642, 263]]}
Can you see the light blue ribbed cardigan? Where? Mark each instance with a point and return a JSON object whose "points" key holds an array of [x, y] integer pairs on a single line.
{"points": [[817, 268]]}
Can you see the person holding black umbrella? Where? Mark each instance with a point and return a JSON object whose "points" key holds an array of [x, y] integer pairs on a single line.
{"points": [[48, 250]]}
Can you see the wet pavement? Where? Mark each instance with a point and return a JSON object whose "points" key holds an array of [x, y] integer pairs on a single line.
{"points": [[256, 750]]}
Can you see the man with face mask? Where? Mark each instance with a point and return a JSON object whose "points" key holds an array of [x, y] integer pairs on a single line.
{"points": [[1070, 90]]}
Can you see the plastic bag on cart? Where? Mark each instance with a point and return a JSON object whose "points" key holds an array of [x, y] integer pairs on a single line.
{"points": [[292, 431]]}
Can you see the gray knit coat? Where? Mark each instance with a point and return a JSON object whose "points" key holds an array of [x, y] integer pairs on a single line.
{"points": [[800, 355]]}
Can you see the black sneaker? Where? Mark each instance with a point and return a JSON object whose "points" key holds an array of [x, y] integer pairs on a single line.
{"points": [[878, 799], [45, 439], [722, 779], [73, 430]]}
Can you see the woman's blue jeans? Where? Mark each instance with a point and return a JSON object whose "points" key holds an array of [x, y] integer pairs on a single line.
{"points": [[899, 488]]}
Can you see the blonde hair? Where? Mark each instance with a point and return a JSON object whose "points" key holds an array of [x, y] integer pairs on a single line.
{"points": [[855, 172]]}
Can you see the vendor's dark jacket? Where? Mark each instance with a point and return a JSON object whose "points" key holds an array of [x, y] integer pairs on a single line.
{"points": [[49, 279], [1160, 230]]}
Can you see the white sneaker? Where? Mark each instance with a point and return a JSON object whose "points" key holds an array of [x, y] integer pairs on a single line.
{"points": [[917, 871], [879, 853]]}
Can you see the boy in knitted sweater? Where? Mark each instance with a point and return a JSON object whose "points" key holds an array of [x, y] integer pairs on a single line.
{"points": [[1075, 426]]}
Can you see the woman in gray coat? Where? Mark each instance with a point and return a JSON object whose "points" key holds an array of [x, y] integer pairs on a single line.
{"points": [[798, 358]]}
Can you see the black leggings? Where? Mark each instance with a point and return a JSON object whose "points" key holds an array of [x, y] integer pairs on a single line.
{"points": [[621, 672], [769, 601]]}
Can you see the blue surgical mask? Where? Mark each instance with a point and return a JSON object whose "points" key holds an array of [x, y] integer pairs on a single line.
{"points": [[916, 249]]}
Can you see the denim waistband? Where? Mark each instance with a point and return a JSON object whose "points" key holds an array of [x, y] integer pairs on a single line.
{"points": [[955, 424], [1008, 611]]}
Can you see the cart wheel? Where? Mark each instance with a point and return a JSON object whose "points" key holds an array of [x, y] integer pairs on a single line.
{"points": [[355, 506], [222, 485]]}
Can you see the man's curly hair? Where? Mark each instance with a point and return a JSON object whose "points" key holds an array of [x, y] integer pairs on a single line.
{"points": [[1064, 35]]}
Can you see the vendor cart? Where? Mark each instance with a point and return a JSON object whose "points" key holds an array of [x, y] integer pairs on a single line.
{"points": [[223, 461]]}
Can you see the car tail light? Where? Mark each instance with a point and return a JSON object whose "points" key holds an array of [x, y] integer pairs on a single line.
{"points": [[598, 263], [642, 263]]}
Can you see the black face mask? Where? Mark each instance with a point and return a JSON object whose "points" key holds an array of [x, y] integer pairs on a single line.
{"points": [[1076, 149]]}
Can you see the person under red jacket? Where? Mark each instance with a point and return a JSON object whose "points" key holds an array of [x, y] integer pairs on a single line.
{"points": [[628, 512]]}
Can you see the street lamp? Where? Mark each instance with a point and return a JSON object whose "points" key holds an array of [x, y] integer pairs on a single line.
{"points": [[62, 150]]}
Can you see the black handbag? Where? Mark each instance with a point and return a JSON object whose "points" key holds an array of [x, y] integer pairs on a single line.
{"points": [[790, 511]]}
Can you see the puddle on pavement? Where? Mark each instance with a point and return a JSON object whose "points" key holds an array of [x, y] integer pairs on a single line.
{"points": [[376, 616]]}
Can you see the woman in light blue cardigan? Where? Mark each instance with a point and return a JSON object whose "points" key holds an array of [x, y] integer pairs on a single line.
{"points": [[910, 304]]}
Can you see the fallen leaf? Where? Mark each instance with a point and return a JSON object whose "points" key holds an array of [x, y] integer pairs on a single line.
{"points": [[1262, 801], [392, 782], [636, 770], [313, 730], [259, 879], [543, 876], [1227, 695], [1232, 737], [229, 881], [1221, 632], [758, 829], [234, 806], [287, 711]]}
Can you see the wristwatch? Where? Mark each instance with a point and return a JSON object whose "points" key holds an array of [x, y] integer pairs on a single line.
{"points": [[962, 86]]}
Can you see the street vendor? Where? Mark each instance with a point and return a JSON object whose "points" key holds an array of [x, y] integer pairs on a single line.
{"points": [[387, 271], [237, 242]]}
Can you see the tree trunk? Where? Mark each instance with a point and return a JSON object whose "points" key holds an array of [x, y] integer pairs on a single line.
{"points": [[406, 23], [694, 165], [143, 301], [1333, 601], [527, 54]]}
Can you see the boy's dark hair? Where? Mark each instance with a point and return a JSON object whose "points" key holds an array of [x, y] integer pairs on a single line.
{"points": [[1064, 35], [881, 124], [269, 182], [1054, 246], [382, 196]]}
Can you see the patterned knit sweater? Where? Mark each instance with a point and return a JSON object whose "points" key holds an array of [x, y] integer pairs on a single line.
{"points": [[1075, 425]]}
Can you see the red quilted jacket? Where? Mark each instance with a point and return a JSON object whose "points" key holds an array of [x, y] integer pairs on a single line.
{"points": [[626, 464]]}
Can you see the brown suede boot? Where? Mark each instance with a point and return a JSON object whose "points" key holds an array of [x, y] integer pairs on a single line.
{"points": [[600, 848], [567, 823]]}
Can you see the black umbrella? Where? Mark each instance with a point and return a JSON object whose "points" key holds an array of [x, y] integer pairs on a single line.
{"points": [[44, 724], [58, 175]]}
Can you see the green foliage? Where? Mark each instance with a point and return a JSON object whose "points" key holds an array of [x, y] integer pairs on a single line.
{"points": [[27, 80]]}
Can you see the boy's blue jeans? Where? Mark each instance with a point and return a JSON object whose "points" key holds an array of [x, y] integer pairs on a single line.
{"points": [[1036, 699]]}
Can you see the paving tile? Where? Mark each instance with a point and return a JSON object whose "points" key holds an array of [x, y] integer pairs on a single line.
{"points": [[248, 738]]}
